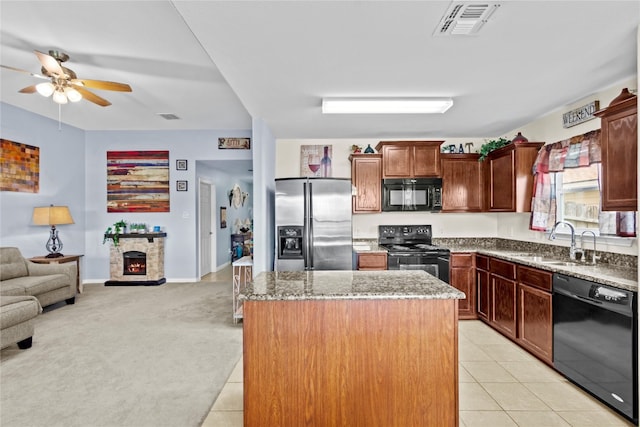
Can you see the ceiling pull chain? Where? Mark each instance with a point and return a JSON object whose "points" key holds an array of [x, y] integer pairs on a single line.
{"points": [[59, 116]]}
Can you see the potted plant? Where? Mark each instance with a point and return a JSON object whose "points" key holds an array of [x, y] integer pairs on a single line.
{"points": [[117, 229], [492, 145]]}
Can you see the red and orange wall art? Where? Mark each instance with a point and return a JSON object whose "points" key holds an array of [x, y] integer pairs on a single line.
{"points": [[19, 167], [137, 181]]}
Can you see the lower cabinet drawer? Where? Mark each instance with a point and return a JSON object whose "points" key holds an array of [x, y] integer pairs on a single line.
{"points": [[372, 261]]}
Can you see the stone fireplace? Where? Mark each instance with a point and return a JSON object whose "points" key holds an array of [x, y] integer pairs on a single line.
{"points": [[137, 260]]}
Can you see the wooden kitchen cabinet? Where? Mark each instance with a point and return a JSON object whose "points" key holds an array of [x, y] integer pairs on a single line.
{"points": [[503, 297], [372, 261], [509, 177], [535, 318], [461, 183], [483, 286], [619, 140], [410, 159], [462, 277], [366, 177]]}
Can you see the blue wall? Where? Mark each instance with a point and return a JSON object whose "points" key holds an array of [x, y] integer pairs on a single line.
{"points": [[73, 173], [62, 158]]}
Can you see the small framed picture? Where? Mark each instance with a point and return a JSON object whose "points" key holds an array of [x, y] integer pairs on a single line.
{"points": [[182, 185], [223, 217], [181, 164]]}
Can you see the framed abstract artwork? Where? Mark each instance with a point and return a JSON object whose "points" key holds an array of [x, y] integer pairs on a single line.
{"points": [[138, 181], [19, 167]]}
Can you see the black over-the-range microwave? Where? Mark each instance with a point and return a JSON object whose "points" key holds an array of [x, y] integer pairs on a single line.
{"points": [[412, 194]]}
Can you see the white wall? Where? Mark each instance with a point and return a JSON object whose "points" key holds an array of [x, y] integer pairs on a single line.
{"points": [[181, 248], [264, 159], [62, 153], [549, 129], [504, 225]]}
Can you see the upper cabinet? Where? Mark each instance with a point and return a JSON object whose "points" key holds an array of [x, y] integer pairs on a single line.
{"points": [[509, 177], [366, 177], [410, 159], [619, 140], [462, 188]]}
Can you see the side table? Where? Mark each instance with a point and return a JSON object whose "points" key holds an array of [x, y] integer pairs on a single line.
{"points": [[62, 260], [242, 274]]}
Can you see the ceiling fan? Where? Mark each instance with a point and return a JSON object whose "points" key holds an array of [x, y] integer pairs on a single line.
{"points": [[63, 83]]}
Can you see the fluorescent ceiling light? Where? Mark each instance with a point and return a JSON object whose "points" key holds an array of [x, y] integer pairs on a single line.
{"points": [[385, 105]]}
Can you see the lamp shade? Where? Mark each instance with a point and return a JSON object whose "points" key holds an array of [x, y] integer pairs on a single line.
{"points": [[52, 215]]}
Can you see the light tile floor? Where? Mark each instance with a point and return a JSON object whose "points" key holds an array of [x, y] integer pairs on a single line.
{"points": [[500, 385]]}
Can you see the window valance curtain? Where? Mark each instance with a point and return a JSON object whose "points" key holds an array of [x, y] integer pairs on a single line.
{"points": [[577, 151]]}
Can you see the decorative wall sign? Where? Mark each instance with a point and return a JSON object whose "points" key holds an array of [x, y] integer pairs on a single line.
{"points": [[181, 165], [580, 114], [137, 181], [235, 143], [315, 160], [19, 167], [223, 217], [182, 186]]}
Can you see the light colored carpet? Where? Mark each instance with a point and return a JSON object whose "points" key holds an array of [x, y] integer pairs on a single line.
{"points": [[124, 356]]}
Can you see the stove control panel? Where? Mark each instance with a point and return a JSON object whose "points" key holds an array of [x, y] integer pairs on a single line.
{"points": [[404, 232]]}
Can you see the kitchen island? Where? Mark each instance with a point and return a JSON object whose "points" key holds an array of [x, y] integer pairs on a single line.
{"points": [[350, 348]]}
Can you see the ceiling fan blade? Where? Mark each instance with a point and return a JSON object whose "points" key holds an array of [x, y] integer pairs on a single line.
{"points": [[28, 89], [92, 97], [102, 84], [24, 71], [50, 64]]}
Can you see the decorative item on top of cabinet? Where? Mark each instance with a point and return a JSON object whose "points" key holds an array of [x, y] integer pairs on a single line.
{"points": [[461, 276], [461, 183], [372, 261], [410, 159], [619, 141], [509, 178], [366, 177]]}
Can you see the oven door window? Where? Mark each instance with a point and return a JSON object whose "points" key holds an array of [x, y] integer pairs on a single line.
{"points": [[432, 269]]}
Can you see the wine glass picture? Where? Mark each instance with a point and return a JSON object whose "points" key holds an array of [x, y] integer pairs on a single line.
{"points": [[315, 161]]}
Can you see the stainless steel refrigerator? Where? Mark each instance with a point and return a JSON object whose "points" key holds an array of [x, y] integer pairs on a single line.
{"points": [[313, 224]]}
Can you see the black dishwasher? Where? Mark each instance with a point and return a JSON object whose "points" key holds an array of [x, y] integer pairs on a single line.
{"points": [[594, 340]]}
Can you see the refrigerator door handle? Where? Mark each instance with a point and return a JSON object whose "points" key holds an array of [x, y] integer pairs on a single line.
{"points": [[310, 227], [305, 226]]}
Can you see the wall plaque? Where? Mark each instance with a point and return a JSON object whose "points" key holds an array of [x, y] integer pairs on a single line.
{"points": [[235, 143], [580, 114]]}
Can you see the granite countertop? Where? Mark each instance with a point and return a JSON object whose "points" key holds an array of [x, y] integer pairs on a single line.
{"points": [[331, 285], [606, 274]]}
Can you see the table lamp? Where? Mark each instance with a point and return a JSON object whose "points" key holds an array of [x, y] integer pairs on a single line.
{"points": [[52, 215]]}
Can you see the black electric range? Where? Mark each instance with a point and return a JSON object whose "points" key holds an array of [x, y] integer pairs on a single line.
{"points": [[409, 247]]}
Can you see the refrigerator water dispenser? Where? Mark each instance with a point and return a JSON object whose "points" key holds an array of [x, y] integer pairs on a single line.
{"points": [[290, 243]]}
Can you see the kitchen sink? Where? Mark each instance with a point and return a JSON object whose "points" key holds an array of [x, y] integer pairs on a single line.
{"points": [[564, 263]]}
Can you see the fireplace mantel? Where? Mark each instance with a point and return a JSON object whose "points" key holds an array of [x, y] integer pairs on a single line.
{"points": [[148, 236]]}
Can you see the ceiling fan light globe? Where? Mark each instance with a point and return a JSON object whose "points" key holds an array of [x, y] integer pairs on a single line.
{"points": [[45, 89], [72, 94], [59, 97]]}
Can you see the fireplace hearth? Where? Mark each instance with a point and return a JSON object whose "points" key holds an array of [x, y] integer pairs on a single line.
{"points": [[137, 260]]}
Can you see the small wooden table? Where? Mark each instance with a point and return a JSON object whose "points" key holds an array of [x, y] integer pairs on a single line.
{"points": [[62, 260]]}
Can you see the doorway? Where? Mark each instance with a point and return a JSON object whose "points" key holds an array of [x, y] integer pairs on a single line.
{"points": [[207, 226]]}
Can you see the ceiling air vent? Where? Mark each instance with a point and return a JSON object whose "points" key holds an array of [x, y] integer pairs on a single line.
{"points": [[169, 116], [465, 18]]}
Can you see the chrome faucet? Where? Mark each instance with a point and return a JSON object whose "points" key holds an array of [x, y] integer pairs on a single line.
{"points": [[572, 249], [595, 256]]}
